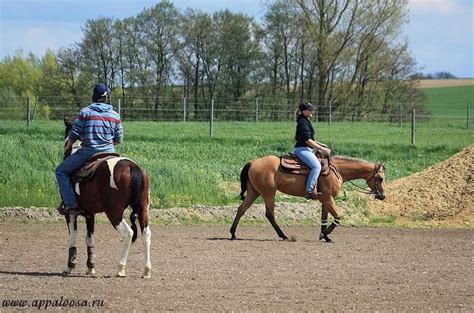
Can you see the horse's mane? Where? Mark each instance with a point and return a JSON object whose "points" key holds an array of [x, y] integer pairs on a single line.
{"points": [[349, 159]]}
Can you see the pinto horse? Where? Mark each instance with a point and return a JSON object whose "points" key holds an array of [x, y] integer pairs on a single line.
{"points": [[263, 177], [116, 184]]}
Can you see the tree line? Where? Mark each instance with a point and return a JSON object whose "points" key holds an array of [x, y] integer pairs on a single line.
{"points": [[345, 52]]}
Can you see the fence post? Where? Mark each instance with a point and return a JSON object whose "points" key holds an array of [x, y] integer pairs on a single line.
{"points": [[119, 107], [401, 115], [184, 109], [468, 117], [330, 112], [211, 118], [28, 121], [413, 127], [34, 110], [256, 110]]}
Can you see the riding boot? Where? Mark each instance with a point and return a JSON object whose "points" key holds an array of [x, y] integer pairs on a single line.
{"points": [[62, 208], [313, 195]]}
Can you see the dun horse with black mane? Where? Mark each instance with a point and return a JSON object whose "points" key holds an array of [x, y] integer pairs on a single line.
{"points": [[264, 177], [110, 186]]}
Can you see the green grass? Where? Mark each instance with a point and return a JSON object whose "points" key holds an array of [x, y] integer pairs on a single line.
{"points": [[450, 101], [187, 167]]}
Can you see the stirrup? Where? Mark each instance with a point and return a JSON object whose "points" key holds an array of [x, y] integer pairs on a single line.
{"points": [[313, 195], [64, 209]]}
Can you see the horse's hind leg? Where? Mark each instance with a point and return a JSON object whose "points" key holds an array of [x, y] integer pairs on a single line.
{"points": [[126, 234], [270, 215], [252, 194], [71, 220], [147, 243], [90, 245]]}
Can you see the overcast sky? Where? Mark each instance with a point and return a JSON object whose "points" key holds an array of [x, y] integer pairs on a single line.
{"points": [[441, 32]]}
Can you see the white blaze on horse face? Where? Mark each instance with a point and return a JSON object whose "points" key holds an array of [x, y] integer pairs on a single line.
{"points": [[111, 164]]}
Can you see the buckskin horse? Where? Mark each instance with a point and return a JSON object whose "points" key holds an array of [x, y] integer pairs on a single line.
{"points": [[116, 183], [263, 177]]}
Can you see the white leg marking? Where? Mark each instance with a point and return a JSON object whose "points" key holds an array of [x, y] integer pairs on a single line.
{"points": [[72, 239], [126, 235], [90, 240], [72, 231], [147, 244], [78, 191]]}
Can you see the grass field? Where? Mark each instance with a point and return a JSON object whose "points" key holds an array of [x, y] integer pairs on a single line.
{"points": [[450, 101], [187, 167]]}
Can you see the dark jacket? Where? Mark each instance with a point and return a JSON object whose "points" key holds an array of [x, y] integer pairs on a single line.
{"points": [[304, 131]]}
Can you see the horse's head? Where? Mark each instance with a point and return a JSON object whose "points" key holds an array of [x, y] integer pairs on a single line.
{"points": [[68, 126], [377, 180], [68, 122]]}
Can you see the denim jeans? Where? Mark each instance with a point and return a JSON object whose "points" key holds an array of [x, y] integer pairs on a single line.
{"points": [[71, 164], [308, 157]]}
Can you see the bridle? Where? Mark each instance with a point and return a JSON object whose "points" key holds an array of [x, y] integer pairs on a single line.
{"points": [[378, 182]]}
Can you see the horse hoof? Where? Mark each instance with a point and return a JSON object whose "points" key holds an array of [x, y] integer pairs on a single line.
{"points": [[146, 273], [233, 238], [90, 272], [325, 237], [121, 274], [67, 272]]}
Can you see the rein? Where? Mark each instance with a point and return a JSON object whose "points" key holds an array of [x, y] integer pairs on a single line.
{"points": [[369, 191]]}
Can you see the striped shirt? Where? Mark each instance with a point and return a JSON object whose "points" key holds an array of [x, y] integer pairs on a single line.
{"points": [[98, 126]]}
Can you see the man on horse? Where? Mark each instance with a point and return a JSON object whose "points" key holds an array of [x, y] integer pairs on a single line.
{"points": [[99, 128], [305, 143]]}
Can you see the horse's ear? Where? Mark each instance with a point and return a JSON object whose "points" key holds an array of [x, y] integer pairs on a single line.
{"points": [[67, 120], [381, 166]]}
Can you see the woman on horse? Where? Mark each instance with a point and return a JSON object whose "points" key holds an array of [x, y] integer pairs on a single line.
{"points": [[305, 143], [99, 128]]}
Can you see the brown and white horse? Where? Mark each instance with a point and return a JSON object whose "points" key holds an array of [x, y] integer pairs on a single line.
{"points": [[262, 177], [117, 183]]}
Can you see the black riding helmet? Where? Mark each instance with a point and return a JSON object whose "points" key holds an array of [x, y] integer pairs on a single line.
{"points": [[305, 106]]}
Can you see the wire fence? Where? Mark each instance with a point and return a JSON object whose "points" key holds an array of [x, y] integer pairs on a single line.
{"points": [[174, 109]]}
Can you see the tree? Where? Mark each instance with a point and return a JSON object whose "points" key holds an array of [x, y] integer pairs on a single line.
{"points": [[159, 27], [98, 50]]}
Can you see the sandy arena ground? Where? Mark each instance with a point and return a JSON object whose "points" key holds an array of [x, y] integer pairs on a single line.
{"points": [[197, 268]]}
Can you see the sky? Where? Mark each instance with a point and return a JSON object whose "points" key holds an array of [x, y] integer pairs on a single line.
{"points": [[440, 32]]}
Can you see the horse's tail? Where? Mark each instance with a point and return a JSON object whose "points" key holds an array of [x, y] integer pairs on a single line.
{"points": [[244, 177], [138, 198]]}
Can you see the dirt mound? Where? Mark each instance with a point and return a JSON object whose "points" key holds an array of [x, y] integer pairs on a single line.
{"points": [[443, 193]]}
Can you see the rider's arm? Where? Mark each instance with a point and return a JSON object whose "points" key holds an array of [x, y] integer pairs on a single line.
{"points": [[318, 146]]}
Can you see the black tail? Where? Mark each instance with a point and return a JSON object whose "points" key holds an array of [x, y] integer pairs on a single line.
{"points": [[244, 176], [135, 198]]}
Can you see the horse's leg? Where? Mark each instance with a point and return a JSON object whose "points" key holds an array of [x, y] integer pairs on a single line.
{"points": [[330, 205], [71, 220], [324, 224], [252, 194], [90, 245], [270, 214], [126, 234], [147, 243]]}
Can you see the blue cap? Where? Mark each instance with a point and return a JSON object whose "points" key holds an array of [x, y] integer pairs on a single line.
{"points": [[100, 91]]}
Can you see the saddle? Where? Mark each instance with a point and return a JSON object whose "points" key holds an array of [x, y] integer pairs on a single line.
{"points": [[88, 170], [289, 163]]}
